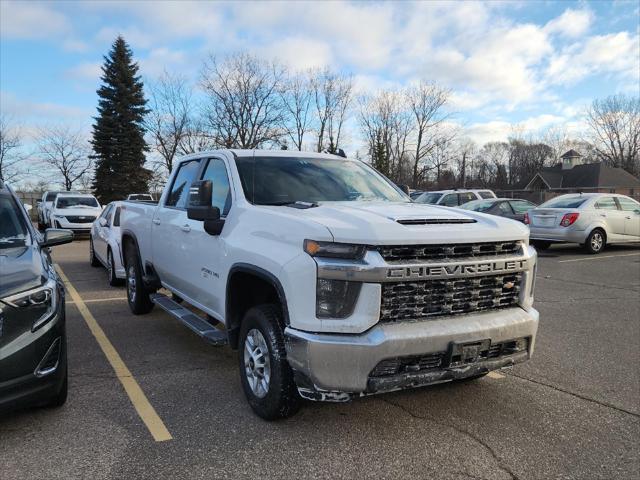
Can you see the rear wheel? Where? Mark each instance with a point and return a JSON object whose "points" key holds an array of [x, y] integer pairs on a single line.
{"points": [[93, 260], [137, 293], [595, 242], [540, 244], [265, 374]]}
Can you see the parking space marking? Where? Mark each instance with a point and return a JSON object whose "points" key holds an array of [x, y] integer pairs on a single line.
{"points": [[495, 375], [139, 400], [599, 257], [98, 300]]}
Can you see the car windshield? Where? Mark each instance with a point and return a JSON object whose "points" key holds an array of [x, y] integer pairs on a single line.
{"points": [[286, 180], [429, 197], [564, 202], [13, 229], [478, 205], [69, 202]]}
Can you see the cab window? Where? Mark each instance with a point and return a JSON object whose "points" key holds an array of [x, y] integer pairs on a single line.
{"points": [[607, 203], [179, 192], [450, 200], [221, 193], [486, 194], [466, 197]]}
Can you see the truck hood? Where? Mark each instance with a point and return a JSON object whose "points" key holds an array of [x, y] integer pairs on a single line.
{"points": [[22, 269], [386, 223]]}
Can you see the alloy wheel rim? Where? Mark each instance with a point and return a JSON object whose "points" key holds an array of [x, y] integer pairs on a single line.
{"points": [[257, 365], [131, 283], [596, 241], [109, 265]]}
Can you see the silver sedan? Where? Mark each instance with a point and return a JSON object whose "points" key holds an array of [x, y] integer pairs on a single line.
{"points": [[590, 219]]}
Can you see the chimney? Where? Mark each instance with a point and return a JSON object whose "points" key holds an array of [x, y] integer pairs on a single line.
{"points": [[570, 159]]}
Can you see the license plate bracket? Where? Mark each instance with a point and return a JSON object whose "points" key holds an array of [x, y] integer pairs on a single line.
{"points": [[468, 353]]}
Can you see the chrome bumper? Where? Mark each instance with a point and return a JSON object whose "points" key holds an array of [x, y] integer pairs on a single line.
{"points": [[333, 363]]}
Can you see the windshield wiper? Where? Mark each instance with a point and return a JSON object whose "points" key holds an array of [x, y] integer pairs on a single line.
{"points": [[296, 204]]}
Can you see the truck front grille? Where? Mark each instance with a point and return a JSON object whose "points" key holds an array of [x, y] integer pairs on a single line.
{"points": [[431, 298], [407, 253]]}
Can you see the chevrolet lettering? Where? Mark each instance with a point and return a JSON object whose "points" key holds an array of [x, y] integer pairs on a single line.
{"points": [[456, 270]]}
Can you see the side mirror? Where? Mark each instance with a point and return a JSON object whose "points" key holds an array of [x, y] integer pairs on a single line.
{"points": [[200, 207], [38, 202], [56, 236], [102, 221]]}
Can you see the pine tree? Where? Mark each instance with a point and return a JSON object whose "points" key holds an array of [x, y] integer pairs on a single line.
{"points": [[118, 133]]}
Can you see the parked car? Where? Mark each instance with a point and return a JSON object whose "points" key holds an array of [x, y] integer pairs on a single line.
{"points": [[144, 197], [74, 211], [591, 219], [33, 345], [415, 194], [104, 243], [44, 208], [453, 198], [324, 276], [513, 208]]}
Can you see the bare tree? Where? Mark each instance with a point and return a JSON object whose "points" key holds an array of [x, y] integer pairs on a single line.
{"points": [[427, 103], [244, 107], [10, 157], [615, 128], [196, 138], [296, 99], [169, 118], [66, 150], [465, 151], [332, 96]]}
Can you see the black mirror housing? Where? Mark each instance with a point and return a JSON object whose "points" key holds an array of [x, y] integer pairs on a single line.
{"points": [[56, 236], [200, 207]]}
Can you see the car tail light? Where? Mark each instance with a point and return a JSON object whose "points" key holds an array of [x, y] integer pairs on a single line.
{"points": [[526, 219], [569, 219]]}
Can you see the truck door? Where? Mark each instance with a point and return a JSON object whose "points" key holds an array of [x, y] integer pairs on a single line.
{"points": [[170, 228], [202, 263]]}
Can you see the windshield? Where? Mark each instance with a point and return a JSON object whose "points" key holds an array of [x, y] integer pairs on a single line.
{"points": [[285, 180], [140, 196], [564, 202], [13, 230], [429, 197], [68, 202], [478, 205]]}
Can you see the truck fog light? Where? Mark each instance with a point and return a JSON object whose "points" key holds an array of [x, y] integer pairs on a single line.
{"points": [[518, 345], [336, 298]]}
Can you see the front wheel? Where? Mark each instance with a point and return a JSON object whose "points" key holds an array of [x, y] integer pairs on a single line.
{"points": [[595, 242], [93, 260], [267, 378], [137, 293]]}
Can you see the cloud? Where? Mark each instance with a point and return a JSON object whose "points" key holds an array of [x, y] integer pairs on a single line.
{"points": [[85, 71], [288, 50], [500, 130], [571, 24], [29, 20]]}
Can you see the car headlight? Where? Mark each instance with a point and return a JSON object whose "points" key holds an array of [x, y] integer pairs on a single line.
{"points": [[334, 250], [38, 305], [336, 298]]}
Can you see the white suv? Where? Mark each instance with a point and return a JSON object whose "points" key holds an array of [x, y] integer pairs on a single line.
{"points": [[74, 211], [454, 198]]}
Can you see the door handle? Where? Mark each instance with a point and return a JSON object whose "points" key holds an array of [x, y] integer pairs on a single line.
{"points": [[602, 215], [628, 218], [185, 228], [156, 221]]}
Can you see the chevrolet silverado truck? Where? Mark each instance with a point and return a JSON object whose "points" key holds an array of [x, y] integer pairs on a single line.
{"points": [[327, 279]]}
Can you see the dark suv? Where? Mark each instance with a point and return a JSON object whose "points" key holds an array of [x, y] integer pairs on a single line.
{"points": [[33, 345]]}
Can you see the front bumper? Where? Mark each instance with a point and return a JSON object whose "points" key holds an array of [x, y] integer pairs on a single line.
{"points": [[558, 234], [80, 228], [335, 365]]}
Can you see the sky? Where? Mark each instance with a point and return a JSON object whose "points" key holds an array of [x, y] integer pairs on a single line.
{"points": [[532, 63]]}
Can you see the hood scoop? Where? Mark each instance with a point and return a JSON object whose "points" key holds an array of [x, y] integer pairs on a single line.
{"points": [[435, 221]]}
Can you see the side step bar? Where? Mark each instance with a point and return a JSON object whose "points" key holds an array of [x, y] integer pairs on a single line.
{"points": [[201, 327]]}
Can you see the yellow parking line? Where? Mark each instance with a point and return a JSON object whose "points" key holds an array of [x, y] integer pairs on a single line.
{"points": [[139, 400], [98, 300], [599, 257], [495, 375]]}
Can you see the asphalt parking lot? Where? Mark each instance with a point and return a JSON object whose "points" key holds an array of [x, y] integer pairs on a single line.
{"points": [[571, 412]]}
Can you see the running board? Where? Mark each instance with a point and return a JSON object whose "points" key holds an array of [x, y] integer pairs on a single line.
{"points": [[198, 325]]}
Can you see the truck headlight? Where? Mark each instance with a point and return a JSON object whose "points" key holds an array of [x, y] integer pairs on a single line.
{"points": [[334, 250], [38, 305], [336, 298]]}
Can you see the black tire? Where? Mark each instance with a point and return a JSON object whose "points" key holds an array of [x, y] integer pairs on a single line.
{"points": [[540, 244], [281, 399], [60, 398], [137, 293], [111, 270], [93, 260], [596, 241]]}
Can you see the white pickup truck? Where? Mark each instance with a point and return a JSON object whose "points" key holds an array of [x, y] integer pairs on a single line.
{"points": [[327, 279]]}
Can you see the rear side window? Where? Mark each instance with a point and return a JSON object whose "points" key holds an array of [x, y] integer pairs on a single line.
{"points": [[466, 197], [221, 196], [521, 206], [505, 208], [107, 214], [450, 200], [607, 203], [486, 194], [628, 205], [179, 193]]}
